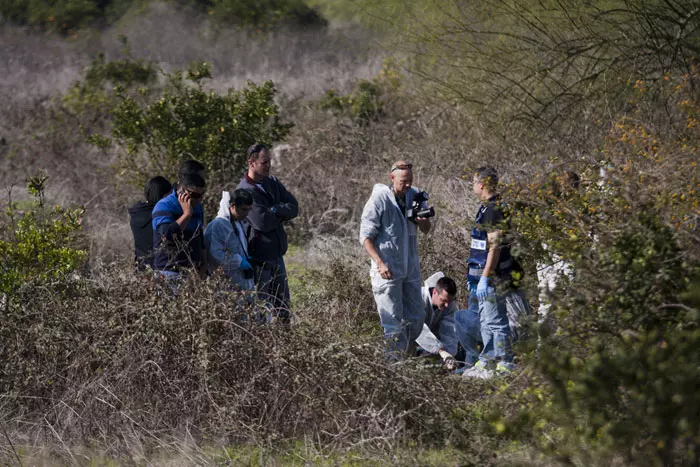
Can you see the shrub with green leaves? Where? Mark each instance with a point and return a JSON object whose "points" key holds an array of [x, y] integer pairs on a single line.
{"points": [[159, 127], [362, 104], [66, 16], [91, 98], [37, 243]]}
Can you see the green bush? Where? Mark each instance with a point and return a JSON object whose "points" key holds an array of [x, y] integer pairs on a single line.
{"points": [[369, 99], [185, 121], [64, 16], [92, 97], [160, 120], [38, 244], [363, 104]]}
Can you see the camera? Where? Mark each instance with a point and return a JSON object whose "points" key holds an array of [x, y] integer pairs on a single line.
{"points": [[416, 209]]}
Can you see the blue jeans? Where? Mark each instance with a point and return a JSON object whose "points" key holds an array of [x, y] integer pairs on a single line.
{"points": [[468, 329], [495, 329]]}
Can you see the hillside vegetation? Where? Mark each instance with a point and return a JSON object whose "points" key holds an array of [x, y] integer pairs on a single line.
{"points": [[98, 367]]}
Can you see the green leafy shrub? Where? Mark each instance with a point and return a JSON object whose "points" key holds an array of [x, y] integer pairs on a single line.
{"points": [[363, 104], [94, 96], [38, 244], [161, 120], [64, 16], [369, 99], [185, 121]]}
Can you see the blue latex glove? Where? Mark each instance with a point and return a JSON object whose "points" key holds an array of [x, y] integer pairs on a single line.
{"points": [[245, 265], [482, 289]]}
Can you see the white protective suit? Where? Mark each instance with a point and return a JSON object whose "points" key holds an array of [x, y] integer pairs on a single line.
{"points": [[439, 327], [398, 299], [227, 246]]}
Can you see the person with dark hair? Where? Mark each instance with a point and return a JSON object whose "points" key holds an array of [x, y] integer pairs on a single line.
{"points": [[273, 205], [439, 336], [192, 166], [178, 228], [492, 278], [226, 239], [140, 220]]}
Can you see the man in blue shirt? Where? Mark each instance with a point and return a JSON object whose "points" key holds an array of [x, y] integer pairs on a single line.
{"points": [[178, 225]]}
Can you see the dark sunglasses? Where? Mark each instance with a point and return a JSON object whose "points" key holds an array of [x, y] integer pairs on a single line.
{"points": [[194, 194], [401, 167]]}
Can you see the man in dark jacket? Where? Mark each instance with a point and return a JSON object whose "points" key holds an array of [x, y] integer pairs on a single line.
{"points": [[140, 220], [267, 240]]}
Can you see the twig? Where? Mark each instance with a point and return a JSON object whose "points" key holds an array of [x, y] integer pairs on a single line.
{"points": [[19, 461], [61, 440]]}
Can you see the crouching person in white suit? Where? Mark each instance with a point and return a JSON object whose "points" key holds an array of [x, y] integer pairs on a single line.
{"points": [[226, 241], [439, 336]]}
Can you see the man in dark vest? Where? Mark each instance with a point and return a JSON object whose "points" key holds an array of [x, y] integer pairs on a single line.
{"points": [[267, 241], [491, 278]]}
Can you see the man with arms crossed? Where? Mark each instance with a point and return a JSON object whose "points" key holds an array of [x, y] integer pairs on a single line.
{"points": [[267, 240]]}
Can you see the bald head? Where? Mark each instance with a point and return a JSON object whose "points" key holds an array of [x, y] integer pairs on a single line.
{"points": [[401, 177]]}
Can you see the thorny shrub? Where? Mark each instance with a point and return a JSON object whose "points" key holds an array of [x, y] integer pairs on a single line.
{"points": [[114, 354]]}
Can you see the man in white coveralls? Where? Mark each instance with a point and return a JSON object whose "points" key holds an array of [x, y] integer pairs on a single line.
{"points": [[388, 232], [439, 335]]}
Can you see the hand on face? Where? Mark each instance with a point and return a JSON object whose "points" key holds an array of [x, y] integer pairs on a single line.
{"points": [[189, 198]]}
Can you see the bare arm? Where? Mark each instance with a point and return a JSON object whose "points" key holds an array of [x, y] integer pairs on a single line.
{"points": [[371, 250], [494, 239]]}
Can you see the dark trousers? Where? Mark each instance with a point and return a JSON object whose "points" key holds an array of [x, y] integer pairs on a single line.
{"points": [[272, 285]]}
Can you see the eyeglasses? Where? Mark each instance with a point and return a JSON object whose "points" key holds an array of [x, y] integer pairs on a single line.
{"points": [[401, 167], [195, 195]]}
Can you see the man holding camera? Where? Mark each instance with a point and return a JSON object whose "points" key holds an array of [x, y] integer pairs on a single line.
{"points": [[388, 232], [226, 241]]}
